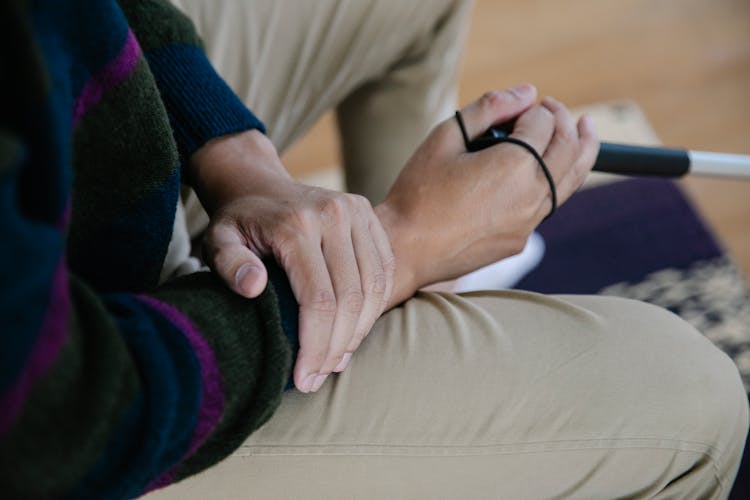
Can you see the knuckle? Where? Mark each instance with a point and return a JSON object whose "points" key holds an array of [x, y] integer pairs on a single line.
{"points": [[218, 233], [359, 201], [213, 232], [298, 219], [353, 302], [389, 265], [545, 113], [324, 301], [358, 204], [566, 135], [285, 242], [551, 103], [490, 99], [332, 207], [378, 283]]}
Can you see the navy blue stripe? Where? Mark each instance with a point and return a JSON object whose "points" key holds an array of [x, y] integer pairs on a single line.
{"points": [[288, 309], [127, 251], [201, 106], [31, 254], [156, 431], [59, 22]]}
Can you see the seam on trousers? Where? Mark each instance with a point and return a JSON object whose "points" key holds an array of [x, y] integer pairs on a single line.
{"points": [[443, 451], [440, 451], [479, 450]]}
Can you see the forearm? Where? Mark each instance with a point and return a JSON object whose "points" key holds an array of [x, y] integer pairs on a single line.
{"points": [[233, 166], [407, 277]]}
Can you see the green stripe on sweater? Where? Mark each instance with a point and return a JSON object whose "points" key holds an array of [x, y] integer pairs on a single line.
{"points": [[157, 23]]}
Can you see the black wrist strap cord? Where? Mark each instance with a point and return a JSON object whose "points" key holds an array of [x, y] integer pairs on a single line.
{"points": [[518, 142]]}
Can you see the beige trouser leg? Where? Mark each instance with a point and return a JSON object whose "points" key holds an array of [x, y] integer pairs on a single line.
{"points": [[504, 395], [389, 67]]}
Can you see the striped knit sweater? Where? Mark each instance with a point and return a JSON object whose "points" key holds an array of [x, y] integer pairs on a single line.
{"points": [[110, 385]]}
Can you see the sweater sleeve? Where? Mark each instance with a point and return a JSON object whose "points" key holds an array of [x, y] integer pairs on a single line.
{"points": [[201, 106], [106, 394], [113, 394]]}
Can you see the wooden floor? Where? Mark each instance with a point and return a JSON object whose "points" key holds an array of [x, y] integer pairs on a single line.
{"points": [[686, 62]]}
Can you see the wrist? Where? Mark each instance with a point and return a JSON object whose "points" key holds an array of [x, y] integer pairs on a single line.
{"points": [[235, 165], [402, 238]]}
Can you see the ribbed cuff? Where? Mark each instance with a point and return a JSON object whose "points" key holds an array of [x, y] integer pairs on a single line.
{"points": [[201, 106]]}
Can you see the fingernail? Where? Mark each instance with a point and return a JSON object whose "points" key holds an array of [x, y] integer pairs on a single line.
{"points": [[521, 90], [243, 271], [309, 382], [318, 382], [343, 363]]}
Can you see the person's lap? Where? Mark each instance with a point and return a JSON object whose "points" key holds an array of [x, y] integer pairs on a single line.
{"points": [[504, 395], [496, 394]]}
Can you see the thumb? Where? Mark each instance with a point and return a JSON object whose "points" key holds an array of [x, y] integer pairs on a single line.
{"points": [[238, 266], [251, 277]]}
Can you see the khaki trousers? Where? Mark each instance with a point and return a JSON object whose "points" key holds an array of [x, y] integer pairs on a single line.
{"points": [[499, 395], [476, 396]]}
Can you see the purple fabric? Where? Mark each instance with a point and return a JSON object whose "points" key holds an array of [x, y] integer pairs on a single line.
{"points": [[114, 73], [619, 232], [212, 393], [50, 340]]}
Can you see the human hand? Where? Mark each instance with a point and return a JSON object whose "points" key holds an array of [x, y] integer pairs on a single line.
{"points": [[451, 212], [333, 248]]}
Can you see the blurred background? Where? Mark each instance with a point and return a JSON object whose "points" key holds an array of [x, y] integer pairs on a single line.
{"points": [[686, 63]]}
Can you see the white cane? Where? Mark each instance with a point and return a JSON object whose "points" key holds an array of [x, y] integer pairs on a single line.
{"points": [[670, 162], [651, 161]]}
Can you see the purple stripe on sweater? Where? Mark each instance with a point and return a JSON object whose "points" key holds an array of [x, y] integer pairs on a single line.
{"points": [[114, 72], [212, 394], [50, 339]]}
